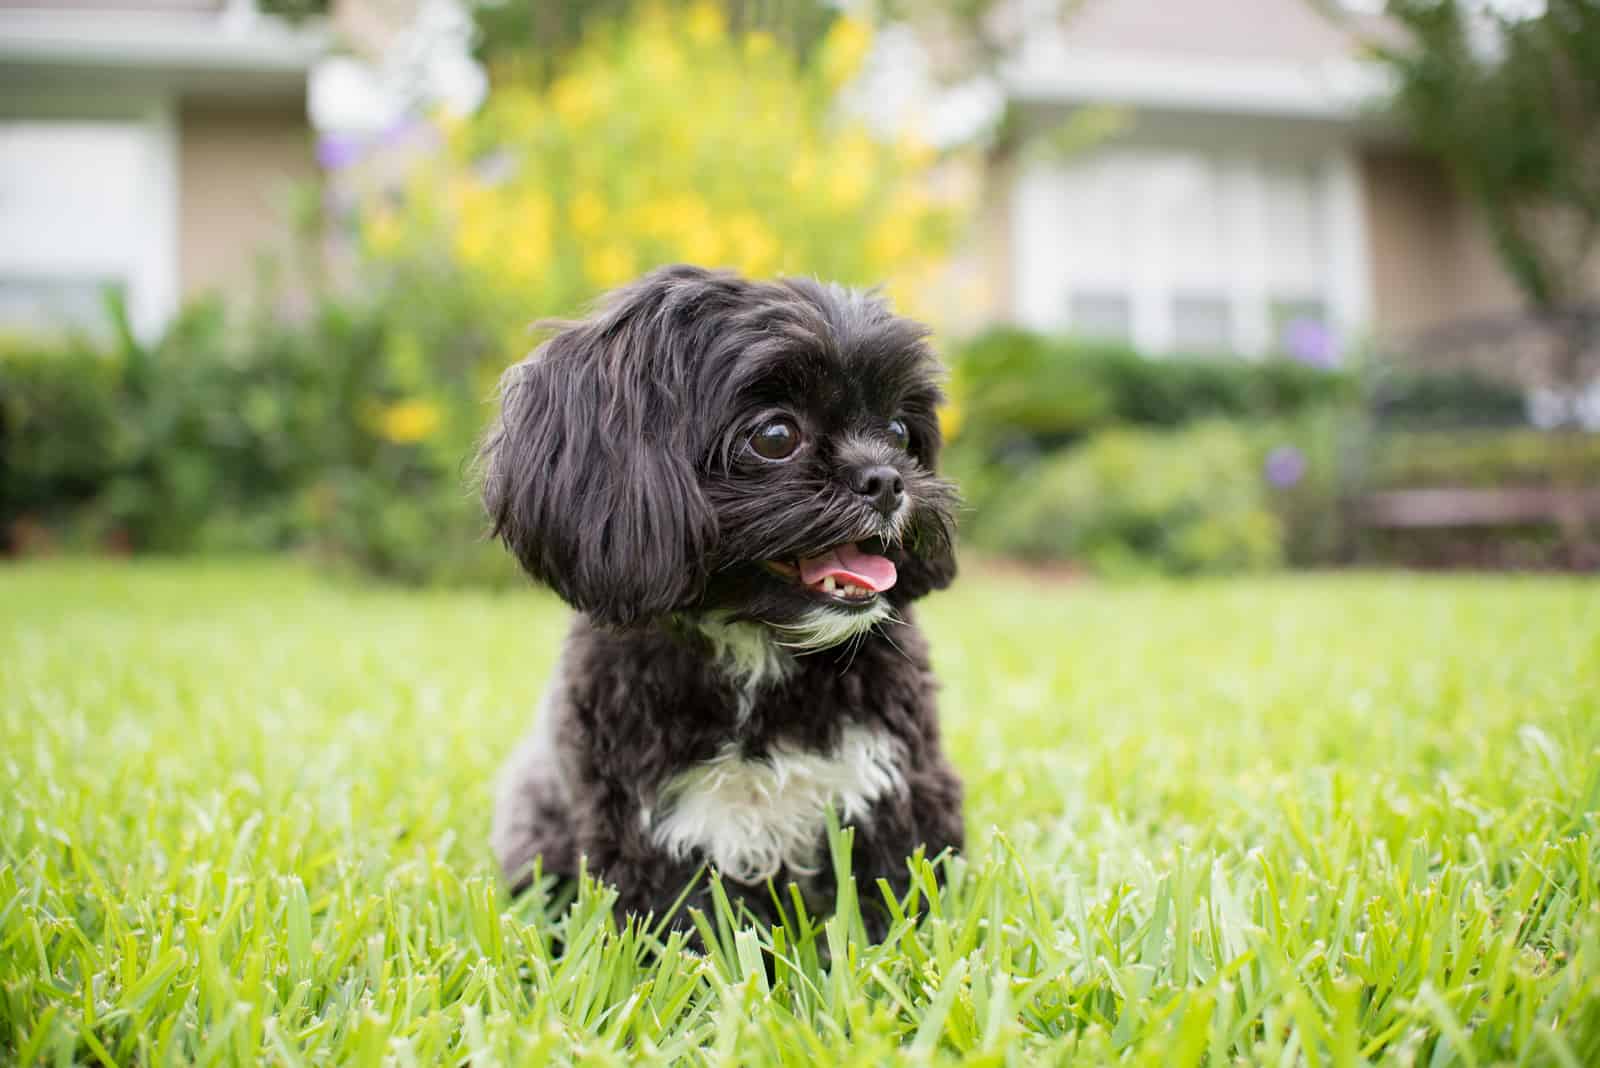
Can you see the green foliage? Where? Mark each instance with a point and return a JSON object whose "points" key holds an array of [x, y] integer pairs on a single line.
{"points": [[1021, 398], [670, 137], [165, 444], [680, 135], [1055, 389], [527, 41], [1448, 399], [1295, 820], [1484, 459], [1180, 503], [1507, 97], [347, 433], [57, 425], [1313, 508]]}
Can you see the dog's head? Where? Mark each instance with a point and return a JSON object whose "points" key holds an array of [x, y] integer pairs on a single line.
{"points": [[707, 444]]}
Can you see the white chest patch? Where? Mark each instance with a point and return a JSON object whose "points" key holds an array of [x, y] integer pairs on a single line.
{"points": [[752, 817]]}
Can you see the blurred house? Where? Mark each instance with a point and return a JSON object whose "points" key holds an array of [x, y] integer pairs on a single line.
{"points": [[1252, 184], [146, 144]]}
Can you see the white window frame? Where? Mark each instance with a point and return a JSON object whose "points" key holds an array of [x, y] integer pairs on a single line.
{"points": [[1044, 272], [152, 285]]}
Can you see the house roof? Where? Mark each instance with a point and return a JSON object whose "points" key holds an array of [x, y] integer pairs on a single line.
{"points": [[226, 48], [1282, 58]]}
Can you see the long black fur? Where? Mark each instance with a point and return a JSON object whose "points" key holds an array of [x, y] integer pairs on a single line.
{"points": [[620, 474]]}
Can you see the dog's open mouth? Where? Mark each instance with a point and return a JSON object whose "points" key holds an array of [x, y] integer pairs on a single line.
{"points": [[852, 573]]}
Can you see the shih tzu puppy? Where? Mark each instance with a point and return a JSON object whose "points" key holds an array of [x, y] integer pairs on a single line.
{"points": [[733, 482]]}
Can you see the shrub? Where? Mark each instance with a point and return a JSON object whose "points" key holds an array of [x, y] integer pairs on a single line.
{"points": [[199, 439], [662, 140], [58, 422], [1414, 459], [350, 429], [1446, 399], [1131, 501], [1055, 389], [1309, 464], [1021, 396], [668, 138]]}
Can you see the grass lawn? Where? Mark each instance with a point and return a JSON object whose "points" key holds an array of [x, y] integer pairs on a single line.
{"points": [[1324, 819]]}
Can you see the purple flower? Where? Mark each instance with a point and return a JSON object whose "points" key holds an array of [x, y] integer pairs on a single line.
{"points": [[407, 130], [1286, 466], [1312, 343], [336, 153]]}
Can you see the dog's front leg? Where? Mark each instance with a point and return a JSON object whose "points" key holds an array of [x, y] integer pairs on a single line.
{"points": [[617, 850], [927, 814]]}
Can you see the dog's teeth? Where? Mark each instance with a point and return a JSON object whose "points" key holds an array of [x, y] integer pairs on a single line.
{"points": [[828, 585]]}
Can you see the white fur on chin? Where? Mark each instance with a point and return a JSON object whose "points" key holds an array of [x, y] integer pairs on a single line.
{"points": [[824, 628], [750, 818]]}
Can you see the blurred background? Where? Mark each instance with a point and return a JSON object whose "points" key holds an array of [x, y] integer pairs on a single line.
{"points": [[1225, 285]]}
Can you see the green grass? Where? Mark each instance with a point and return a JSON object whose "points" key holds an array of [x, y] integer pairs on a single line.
{"points": [[1319, 820]]}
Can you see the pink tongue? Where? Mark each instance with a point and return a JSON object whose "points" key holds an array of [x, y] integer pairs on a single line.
{"points": [[849, 564]]}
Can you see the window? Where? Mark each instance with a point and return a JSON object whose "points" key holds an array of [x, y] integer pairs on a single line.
{"points": [[1201, 324], [1182, 249], [75, 217], [1102, 315]]}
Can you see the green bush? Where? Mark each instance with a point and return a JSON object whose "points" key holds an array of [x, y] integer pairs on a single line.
{"points": [[1055, 389], [1020, 397], [58, 428], [1309, 464], [1414, 459], [1447, 399], [552, 194], [1133, 501]]}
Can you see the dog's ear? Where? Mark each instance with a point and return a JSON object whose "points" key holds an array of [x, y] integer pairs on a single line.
{"points": [[930, 544], [589, 474], [927, 568]]}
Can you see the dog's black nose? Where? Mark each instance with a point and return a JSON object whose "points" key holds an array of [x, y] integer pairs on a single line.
{"points": [[882, 485]]}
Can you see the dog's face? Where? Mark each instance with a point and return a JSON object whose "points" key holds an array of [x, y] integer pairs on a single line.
{"points": [[746, 451]]}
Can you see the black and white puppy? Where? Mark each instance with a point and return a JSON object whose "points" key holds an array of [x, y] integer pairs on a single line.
{"points": [[734, 484]]}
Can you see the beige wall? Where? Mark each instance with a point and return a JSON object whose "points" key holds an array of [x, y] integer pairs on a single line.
{"points": [[1432, 261], [238, 167]]}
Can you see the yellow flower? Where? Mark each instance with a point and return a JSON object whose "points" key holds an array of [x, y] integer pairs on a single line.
{"points": [[476, 226], [758, 44], [382, 230], [755, 250], [844, 49], [609, 265], [408, 421], [704, 23], [891, 239], [588, 212], [950, 417], [574, 99], [802, 172], [518, 108], [851, 170], [659, 59], [704, 246], [914, 151], [846, 187]]}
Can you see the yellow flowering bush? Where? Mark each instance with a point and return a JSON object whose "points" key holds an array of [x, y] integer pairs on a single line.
{"points": [[666, 139]]}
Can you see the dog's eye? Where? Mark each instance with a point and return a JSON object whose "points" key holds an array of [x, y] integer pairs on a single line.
{"points": [[899, 434], [776, 440]]}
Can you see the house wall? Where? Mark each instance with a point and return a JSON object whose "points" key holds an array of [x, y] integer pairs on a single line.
{"points": [[1432, 260], [1282, 31], [238, 167]]}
